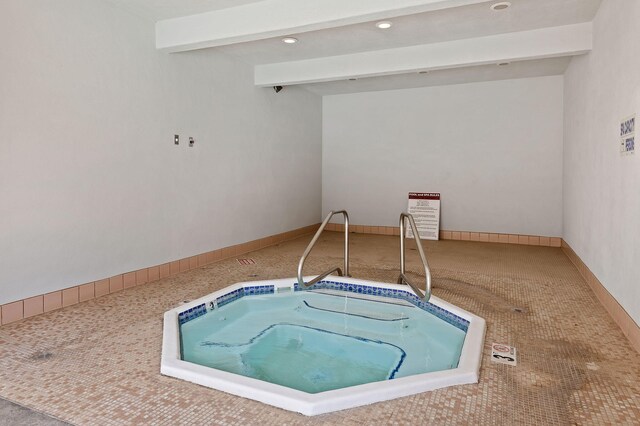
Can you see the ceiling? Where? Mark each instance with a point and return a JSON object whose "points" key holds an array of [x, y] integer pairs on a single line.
{"points": [[431, 27], [157, 10], [457, 41]]}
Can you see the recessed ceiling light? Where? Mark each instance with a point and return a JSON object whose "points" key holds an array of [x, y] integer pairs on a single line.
{"points": [[290, 40], [501, 6], [383, 25], [503, 64]]}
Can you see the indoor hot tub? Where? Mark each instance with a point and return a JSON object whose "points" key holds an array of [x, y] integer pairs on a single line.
{"points": [[342, 343]]}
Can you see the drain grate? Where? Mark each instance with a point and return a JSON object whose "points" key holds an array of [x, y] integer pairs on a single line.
{"points": [[41, 356], [246, 261]]}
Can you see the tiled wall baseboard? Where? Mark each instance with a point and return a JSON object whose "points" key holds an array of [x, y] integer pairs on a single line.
{"points": [[36, 305], [617, 312], [530, 240]]}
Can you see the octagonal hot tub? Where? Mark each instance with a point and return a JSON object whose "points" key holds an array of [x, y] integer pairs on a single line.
{"points": [[343, 343]]}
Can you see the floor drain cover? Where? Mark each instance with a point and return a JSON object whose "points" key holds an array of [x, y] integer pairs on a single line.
{"points": [[40, 356], [246, 261]]}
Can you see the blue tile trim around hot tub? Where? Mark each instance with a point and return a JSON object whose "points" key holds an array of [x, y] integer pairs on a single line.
{"points": [[259, 289], [244, 291], [439, 312], [234, 295], [192, 313], [197, 311], [229, 297]]}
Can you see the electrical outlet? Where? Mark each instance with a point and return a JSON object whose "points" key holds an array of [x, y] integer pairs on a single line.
{"points": [[176, 139], [191, 141]]}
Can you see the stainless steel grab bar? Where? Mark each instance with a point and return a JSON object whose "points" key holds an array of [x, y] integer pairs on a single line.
{"points": [[313, 243], [402, 279]]}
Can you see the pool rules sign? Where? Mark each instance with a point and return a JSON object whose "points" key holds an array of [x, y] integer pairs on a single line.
{"points": [[425, 209]]}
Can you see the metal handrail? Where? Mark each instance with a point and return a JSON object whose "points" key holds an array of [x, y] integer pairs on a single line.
{"points": [[402, 279], [313, 242]]}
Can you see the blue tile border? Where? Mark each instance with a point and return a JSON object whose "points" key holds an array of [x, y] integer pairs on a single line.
{"points": [[193, 313], [244, 291], [443, 314], [232, 296], [439, 312], [259, 289], [229, 297]]}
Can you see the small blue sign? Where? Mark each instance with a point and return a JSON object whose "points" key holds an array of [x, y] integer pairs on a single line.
{"points": [[628, 126], [627, 135]]}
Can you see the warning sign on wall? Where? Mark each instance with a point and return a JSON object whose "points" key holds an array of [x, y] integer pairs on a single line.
{"points": [[425, 208], [628, 135]]}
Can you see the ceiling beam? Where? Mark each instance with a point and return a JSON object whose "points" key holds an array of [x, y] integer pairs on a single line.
{"points": [[285, 17], [542, 43]]}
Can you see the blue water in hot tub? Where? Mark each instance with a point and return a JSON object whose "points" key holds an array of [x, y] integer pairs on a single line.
{"points": [[315, 342]]}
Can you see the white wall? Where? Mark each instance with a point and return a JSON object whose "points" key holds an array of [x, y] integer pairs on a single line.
{"points": [[91, 184], [601, 187], [494, 151]]}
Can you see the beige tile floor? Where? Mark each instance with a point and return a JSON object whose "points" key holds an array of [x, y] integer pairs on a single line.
{"points": [[98, 362]]}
